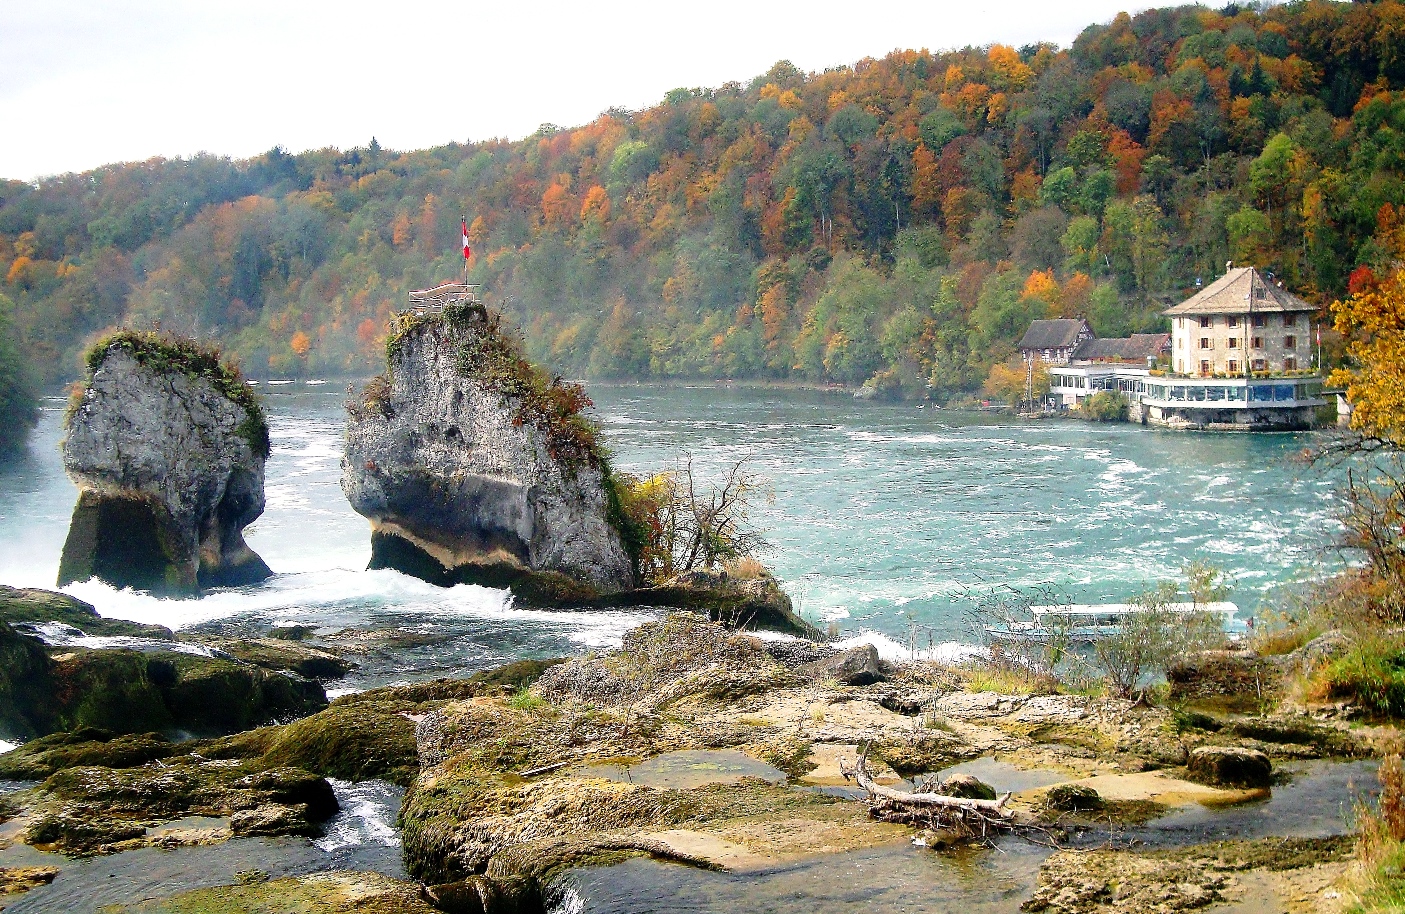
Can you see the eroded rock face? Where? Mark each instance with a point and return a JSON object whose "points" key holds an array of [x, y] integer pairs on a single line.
{"points": [[462, 479], [167, 449]]}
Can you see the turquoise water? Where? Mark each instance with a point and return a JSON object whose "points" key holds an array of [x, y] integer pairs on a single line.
{"points": [[880, 516], [884, 514]]}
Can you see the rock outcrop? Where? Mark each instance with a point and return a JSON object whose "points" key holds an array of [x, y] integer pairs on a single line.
{"points": [[167, 447], [474, 468]]}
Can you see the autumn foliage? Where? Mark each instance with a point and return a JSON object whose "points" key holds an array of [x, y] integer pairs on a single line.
{"points": [[904, 216]]}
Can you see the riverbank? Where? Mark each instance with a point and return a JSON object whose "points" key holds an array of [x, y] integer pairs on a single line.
{"points": [[699, 747]]}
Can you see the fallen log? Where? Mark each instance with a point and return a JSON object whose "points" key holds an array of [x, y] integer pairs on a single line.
{"points": [[961, 816], [865, 780]]}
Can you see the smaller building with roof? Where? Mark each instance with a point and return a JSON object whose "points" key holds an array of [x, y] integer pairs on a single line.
{"points": [[1053, 342]]}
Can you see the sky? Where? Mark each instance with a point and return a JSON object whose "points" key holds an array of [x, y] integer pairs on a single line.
{"points": [[85, 83]]}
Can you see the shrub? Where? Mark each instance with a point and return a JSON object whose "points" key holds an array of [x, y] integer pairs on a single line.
{"points": [[1104, 406], [1371, 673]]}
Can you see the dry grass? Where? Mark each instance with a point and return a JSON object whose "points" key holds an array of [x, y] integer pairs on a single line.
{"points": [[1007, 681], [1379, 876], [746, 569]]}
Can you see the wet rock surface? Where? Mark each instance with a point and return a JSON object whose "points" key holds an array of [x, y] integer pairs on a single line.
{"points": [[137, 691], [167, 448], [1222, 766], [1185, 879]]}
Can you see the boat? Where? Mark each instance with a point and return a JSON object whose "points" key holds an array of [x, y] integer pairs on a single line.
{"points": [[1086, 623]]}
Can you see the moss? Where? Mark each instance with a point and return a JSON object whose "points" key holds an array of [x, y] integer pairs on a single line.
{"points": [[351, 742], [164, 354], [26, 605], [325, 893], [39, 758]]}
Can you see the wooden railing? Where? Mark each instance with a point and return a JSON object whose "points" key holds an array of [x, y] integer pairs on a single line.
{"points": [[449, 293]]}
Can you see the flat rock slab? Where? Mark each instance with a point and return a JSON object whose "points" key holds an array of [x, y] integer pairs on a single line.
{"points": [[1158, 787]]}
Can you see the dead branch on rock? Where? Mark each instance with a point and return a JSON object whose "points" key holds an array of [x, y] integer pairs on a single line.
{"points": [[963, 818], [968, 818]]}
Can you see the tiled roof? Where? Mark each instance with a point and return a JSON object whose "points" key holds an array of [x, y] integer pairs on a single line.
{"points": [[1135, 348], [1230, 295], [1056, 334]]}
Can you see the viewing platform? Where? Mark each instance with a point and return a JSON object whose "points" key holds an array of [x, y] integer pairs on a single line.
{"points": [[433, 301]]}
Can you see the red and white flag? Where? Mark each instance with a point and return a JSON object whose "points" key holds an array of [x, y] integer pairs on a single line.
{"points": [[467, 251]]}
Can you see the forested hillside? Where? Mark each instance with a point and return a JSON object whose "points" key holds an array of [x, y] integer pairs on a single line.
{"points": [[902, 217]]}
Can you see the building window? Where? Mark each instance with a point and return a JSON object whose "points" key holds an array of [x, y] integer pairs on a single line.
{"points": [[1180, 366], [1204, 367], [1290, 364], [1258, 342], [1290, 320], [1234, 342], [1206, 321], [1290, 342], [1206, 343], [1260, 365], [1233, 368], [1258, 320], [1233, 321]]}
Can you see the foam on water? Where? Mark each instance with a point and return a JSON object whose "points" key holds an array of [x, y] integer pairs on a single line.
{"points": [[367, 816]]}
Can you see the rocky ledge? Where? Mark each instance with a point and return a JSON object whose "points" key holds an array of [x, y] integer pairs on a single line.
{"points": [[167, 447], [474, 468]]}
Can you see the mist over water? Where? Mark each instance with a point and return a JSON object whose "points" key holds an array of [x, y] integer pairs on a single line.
{"points": [[881, 515]]}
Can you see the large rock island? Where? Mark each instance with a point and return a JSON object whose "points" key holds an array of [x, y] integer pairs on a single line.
{"points": [[167, 446], [473, 467]]}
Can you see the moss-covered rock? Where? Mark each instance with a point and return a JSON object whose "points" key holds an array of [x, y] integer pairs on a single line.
{"points": [[27, 704], [20, 605], [745, 603], [323, 893], [127, 691], [91, 810], [1226, 766], [167, 445], [353, 742], [42, 757], [285, 654]]}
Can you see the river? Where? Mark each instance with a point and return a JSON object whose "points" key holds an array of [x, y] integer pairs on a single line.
{"points": [[879, 516]]}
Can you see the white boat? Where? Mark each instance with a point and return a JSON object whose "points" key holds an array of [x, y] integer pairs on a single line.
{"points": [[1088, 622]]}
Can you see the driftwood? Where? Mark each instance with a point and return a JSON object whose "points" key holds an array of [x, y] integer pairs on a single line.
{"points": [[969, 817], [533, 772]]}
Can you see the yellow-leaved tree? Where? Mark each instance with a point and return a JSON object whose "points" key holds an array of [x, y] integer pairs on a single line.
{"points": [[1372, 319]]}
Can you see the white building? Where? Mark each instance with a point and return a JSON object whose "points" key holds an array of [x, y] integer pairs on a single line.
{"points": [[1241, 359]]}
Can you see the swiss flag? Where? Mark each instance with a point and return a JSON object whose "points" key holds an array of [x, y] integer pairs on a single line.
{"points": [[467, 252]]}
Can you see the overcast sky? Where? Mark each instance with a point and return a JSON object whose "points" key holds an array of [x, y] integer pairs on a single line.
{"points": [[86, 83]]}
